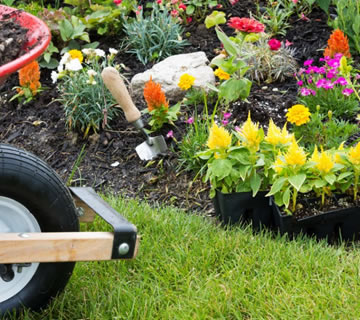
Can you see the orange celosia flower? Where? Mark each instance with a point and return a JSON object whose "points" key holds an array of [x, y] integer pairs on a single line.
{"points": [[29, 76], [154, 96], [337, 43]]}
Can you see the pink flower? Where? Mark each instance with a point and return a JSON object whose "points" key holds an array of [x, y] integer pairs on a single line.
{"points": [[174, 1], [190, 120], [333, 63], [219, 6], [320, 83], [227, 115], [182, 6], [117, 2], [357, 77], [342, 81], [238, 129], [347, 91], [303, 17], [288, 43], [233, 2], [300, 83], [138, 11], [274, 44], [159, 1], [295, 1], [246, 25], [308, 62], [170, 134], [331, 74], [225, 122], [305, 91], [174, 13], [188, 20]]}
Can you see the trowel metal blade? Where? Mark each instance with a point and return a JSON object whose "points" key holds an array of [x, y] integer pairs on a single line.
{"points": [[149, 150]]}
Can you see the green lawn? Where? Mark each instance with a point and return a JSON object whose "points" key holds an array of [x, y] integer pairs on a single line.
{"points": [[189, 268]]}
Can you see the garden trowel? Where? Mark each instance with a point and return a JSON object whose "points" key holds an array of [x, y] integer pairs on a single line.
{"points": [[153, 146]]}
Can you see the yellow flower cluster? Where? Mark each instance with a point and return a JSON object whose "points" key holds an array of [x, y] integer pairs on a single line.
{"points": [[298, 114], [186, 81], [76, 54], [221, 74], [219, 138], [251, 134], [354, 155], [276, 136], [323, 161], [295, 155]]}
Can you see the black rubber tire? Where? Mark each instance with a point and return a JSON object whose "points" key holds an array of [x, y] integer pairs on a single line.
{"points": [[30, 181]]}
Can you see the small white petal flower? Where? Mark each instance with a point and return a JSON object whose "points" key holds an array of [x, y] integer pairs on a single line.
{"points": [[87, 51], [73, 65], [113, 51], [100, 53], [91, 73], [91, 81], [65, 58], [60, 68], [54, 76]]}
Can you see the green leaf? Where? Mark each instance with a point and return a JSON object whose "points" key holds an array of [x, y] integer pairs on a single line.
{"points": [[297, 180], [243, 170], [344, 175], [241, 155], [233, 89], [220, 168], [330, 178], [66, 29], [319, 183], [286, 197], [215, 18], [230, 47], [190, 10], [255, 183], [276, 187], [324, 4]]}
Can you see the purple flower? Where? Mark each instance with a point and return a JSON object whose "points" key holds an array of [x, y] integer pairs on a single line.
{"points": [[342, 81], [170, 134], [333, 63], [322, 70], [305, 91], [190, 120], [225, 122], [338, 56], [313, 92], [300, 83], [331, 74], [320, 83], [347, 91], [308, 62], [310, 80], [328, 85], [227, 115]]}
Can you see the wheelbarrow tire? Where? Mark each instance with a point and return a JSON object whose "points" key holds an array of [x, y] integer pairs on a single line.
{"points": [[32, 183]]}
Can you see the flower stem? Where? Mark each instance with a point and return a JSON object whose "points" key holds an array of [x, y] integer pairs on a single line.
{"points": [[294, 196], [356, 185]]}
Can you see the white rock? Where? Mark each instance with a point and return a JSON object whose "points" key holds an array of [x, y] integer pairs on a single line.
{"points": [[168, 72]]}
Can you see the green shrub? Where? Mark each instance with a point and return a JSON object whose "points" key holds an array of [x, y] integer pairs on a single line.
{"points": [[155, 37]]}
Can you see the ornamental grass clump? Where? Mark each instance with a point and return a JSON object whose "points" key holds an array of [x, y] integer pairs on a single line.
{"points": [[327, 87], [88, 105]]}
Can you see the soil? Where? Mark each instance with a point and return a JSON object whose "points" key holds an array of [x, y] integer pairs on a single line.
{"points": [[12, 40], [110, 162]]}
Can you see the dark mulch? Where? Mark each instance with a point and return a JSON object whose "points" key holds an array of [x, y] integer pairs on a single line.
{"points": [[39, 127]]}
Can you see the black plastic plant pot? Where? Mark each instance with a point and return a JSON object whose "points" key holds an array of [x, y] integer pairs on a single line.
{"points": [[334, 225], [242, 207]]}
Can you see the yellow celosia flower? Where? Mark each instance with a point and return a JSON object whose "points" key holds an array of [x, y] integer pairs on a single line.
{"points": [[354, 154], [221, 74], [219, 137], [276, 136], [295, 155], [186, 81], [250, 131], [76, 54], [278, 164], [338, 158], [298, 114], [324, 162]]}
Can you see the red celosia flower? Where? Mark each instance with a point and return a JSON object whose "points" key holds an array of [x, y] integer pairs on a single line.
{"points": [[246, 25], [274, 44], [337, 43], [154, 96]]}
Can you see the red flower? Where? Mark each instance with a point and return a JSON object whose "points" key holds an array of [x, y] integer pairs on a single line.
{"points": [[274, 44], [182, 6], [117, 2], [246, 25]]}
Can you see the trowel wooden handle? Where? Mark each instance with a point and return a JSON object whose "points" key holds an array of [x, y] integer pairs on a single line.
{"points": [[116, 86]]}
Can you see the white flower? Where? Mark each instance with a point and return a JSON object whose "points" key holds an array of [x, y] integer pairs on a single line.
{"points": [[60, 68], [73, 65], [87, 51], [65, 58], [54, 76], [91, 73], [91, 81], [100, 53], [113, 51]]}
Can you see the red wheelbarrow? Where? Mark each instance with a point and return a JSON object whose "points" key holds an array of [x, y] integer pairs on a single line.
{"points": [[39, 216]]}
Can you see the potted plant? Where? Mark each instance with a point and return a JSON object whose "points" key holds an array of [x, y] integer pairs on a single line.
{"points": [[317, 195], [239, 171]]}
